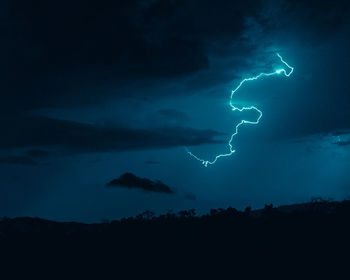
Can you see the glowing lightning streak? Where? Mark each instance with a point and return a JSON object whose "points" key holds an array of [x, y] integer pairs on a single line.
{"points": [[234, 108]]}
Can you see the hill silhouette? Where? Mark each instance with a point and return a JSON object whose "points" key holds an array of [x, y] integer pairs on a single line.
{"points": [[301, 238]]}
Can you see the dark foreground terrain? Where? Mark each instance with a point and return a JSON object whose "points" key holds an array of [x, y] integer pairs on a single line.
{"points": [[302, 241]]}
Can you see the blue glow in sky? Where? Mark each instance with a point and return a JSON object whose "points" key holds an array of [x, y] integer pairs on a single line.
{"points": [[286, 73]]}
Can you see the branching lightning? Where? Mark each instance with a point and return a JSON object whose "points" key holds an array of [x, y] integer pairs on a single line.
{"points": [[285, 72]]}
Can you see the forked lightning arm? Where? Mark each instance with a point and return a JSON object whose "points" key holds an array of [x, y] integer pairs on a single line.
{"points": [[234, 108]]}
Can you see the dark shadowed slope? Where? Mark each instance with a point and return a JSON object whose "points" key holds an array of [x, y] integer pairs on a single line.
{"points": [[294, 240]]}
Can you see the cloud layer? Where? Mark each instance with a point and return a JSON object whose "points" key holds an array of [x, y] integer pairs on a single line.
{"points": [[75, 137], [130, 180]]}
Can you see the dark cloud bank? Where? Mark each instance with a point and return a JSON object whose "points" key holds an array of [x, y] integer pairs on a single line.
{"points": [[129, 180], [18, 160], [61, 53], [75, 137]]}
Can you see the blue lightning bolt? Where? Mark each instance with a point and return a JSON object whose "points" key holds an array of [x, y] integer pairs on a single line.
{"points": [[234, 108]]}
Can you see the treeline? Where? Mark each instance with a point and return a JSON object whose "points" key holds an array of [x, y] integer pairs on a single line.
{"points": [[310, 234]]}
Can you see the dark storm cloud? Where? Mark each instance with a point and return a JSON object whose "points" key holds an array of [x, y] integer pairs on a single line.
{"points": [[130, 180], [36, 153], [74, 137], [62, 52], [59, 52], [324, 16], [21, 160], [310, 21], [319, 122]]}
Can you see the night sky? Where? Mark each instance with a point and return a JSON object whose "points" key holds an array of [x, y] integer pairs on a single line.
{"points": [[92, 90]]}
